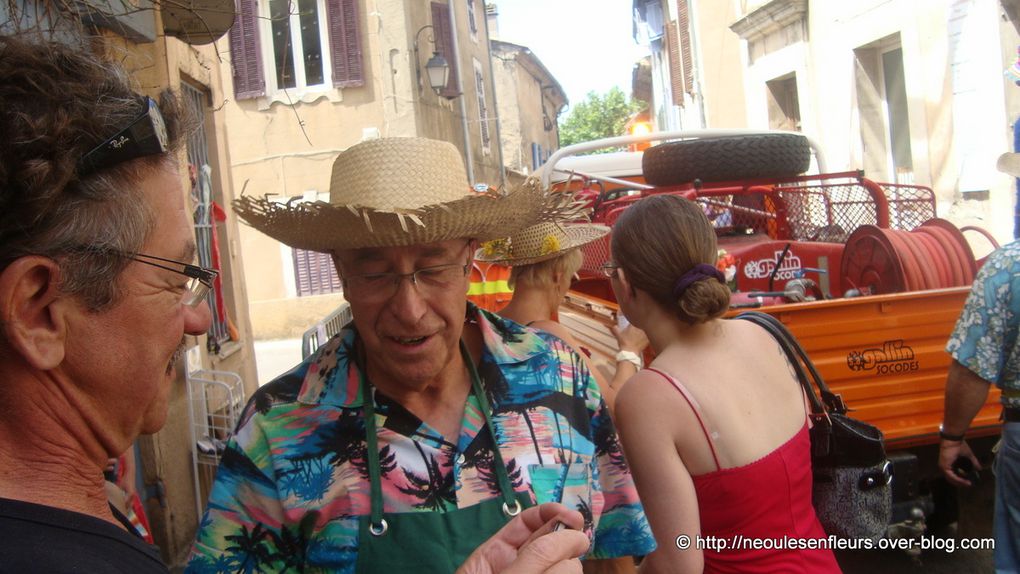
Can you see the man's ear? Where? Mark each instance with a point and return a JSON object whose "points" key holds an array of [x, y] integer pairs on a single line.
{"points": [[32, 311]]}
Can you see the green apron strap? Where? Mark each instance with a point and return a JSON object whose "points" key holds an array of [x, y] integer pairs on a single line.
{"points": [[511, 507], [378, 525]]}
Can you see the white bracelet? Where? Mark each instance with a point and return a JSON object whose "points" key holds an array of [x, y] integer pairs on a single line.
{"points": [[629, 356]]}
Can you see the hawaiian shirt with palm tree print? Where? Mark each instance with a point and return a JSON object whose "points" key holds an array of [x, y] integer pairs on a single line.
{"points": [[293, 480], [986, 339]]}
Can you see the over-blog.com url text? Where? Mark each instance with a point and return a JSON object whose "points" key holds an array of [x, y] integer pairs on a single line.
{"points": [[831, 542]]}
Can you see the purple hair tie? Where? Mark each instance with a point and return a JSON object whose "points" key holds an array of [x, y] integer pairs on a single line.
{"points": [[695, 274]]}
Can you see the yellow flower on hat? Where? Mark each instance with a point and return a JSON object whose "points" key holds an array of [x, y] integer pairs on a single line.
{"points": [[494, 248], [550, 244]]}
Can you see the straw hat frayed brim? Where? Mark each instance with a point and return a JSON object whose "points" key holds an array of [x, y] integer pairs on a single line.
{"points": [[321, 226], [1009, 163], [576, 235]]}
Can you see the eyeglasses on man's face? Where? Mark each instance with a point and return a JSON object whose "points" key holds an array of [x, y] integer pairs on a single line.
{"points": [[144, 136], [609, 269], [200, 279], [382, 286]]}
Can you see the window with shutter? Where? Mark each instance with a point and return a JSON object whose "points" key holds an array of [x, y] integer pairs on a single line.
{"points": [[443, 34], [686, 52], [314, 273], [472, 23], [246, 55], [295, 45], [345, 43], [483, 109], [676, 83]]}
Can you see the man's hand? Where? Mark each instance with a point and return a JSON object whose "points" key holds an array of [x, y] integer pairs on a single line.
{"points": [[966, 393], [949, 451], [528, 545]]}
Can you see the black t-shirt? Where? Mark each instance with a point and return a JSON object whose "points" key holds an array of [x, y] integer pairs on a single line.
{"points": [[36, 538]]}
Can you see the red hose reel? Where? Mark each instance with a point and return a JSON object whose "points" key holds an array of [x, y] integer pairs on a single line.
{"points": [[932, 256]]}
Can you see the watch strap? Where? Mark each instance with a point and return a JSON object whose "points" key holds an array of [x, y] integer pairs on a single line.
{"points": [[951, 437]]}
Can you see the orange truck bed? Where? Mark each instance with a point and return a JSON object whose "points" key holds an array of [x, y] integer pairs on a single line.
{"points": [[885, 354]]}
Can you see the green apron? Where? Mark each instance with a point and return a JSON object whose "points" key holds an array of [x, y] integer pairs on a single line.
{"points": [[429, 541]]}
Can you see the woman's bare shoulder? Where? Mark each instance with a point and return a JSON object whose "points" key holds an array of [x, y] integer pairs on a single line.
{"points": [[645, 389]]}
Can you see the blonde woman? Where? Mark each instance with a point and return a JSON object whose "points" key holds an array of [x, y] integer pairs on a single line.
{"points": [[544, 259]]}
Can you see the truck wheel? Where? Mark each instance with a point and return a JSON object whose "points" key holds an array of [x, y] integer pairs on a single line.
{"points": [[726, 158]]}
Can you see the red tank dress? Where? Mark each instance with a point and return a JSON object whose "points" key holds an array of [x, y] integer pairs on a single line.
{"points": [[768, 499]]}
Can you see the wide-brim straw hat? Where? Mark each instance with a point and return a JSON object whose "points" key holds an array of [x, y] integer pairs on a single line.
{"points": [[539, 243], [1009, 163], [402, 191]]}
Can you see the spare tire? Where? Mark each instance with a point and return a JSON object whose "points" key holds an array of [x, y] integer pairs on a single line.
{"points": [[726, 158]]}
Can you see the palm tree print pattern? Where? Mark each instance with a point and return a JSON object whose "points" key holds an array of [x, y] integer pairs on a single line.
{"points": [[294, 480]]}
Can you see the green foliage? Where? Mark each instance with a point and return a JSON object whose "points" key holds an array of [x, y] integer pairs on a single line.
{"points": [[599, 116]]}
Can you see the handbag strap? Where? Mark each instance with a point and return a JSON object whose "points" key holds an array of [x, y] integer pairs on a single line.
{"points": [[821, 433], [807, 374]]}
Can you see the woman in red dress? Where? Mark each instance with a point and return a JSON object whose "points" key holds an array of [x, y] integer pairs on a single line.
{"points": [[715, 429]]}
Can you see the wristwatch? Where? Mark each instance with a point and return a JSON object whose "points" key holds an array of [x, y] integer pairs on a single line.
{"points": [[946, 436], [629, 356]]}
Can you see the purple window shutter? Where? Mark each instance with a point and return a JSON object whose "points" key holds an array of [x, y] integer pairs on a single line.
{"points": [[443, 33], [249, 78], [345, 43]]}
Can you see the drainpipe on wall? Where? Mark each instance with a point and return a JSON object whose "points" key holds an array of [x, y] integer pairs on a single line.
{"points": [[495, 104], [460, 89]]}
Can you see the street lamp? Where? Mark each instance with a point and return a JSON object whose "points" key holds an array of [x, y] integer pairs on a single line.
{"points": [[437, 68], [438, 71]]}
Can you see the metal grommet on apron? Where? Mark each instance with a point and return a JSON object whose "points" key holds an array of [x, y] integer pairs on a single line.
{"points": [[429, 541], [378, 529], [512, 511]]}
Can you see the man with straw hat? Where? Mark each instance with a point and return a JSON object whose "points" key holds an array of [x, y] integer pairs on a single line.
{"points": [[423, 427], [985, 347], [544, 258]]}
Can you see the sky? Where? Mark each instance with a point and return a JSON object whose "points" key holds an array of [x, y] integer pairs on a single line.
{"points": [[588, 45]]}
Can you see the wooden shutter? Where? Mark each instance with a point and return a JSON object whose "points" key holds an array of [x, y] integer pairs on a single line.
{"points": [[443, 33], [246, 56], [345, 43], [676, 83], [483, 109], [686, 54], [314, 273]]}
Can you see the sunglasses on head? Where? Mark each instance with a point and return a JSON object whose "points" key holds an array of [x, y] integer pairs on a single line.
{"points": [[144, 136]]}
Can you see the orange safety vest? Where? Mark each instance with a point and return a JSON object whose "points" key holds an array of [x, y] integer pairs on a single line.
{"points": [[489, 288]]}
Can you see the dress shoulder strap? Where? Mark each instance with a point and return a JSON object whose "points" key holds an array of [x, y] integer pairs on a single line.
{"points": [[694, 408]]}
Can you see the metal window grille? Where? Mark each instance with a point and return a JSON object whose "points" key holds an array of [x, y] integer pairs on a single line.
{"points": [[205, 227]]}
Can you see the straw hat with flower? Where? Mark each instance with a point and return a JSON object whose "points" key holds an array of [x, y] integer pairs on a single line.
{"points": [[539, 243], [396, 192]]}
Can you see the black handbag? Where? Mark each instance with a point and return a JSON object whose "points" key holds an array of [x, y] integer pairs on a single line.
{"points": [[852, 491]]}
